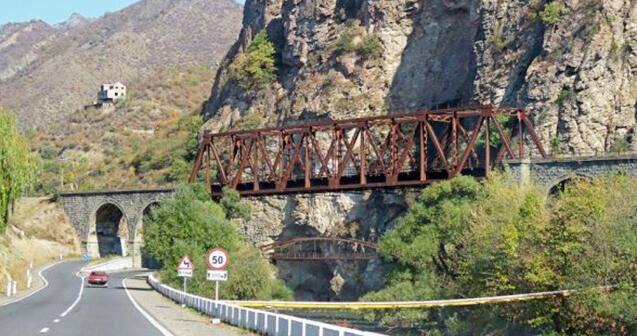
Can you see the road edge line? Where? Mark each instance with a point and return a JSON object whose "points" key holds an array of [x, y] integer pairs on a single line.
{"points": [[79, 296], [163, 330], [46, 283]]}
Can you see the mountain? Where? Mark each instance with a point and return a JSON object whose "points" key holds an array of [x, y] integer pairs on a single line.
{"points": [[48, 73], [75, 20], [572, 63], [21, 44]]}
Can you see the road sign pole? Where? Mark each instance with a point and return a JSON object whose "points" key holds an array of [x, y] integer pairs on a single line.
{"points": [[185, 285], [216, 293]]}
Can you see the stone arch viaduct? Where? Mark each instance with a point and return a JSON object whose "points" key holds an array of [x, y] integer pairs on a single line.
{"points": [[110, 222]]}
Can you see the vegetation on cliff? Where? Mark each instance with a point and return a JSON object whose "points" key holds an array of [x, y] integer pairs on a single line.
{"points": [[191, 223], [17, 168], [466, 239], [256, 70]]}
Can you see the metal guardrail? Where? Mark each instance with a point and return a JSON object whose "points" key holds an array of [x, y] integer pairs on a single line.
{"points": [[263, 322]]}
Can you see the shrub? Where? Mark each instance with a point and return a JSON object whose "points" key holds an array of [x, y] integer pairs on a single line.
{"points": [[552, 12], [369, 47], [621, 146], [191, 223], [345, 43], [230, 201], [565, 94], [255, 69], [556, 146]]}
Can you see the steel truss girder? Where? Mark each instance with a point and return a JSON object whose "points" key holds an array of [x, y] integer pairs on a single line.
{"points": [[375, 152]]}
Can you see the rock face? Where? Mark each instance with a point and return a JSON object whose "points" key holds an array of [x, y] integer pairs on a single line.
{"points": [[575, 71], [362, 215], [575, 74]]}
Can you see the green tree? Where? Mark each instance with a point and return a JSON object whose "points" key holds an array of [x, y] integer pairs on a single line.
{"points": [[256, 69], [183, 154], [230, 201], [552, 12], [17, 168], [191, 223], [466, 239]]}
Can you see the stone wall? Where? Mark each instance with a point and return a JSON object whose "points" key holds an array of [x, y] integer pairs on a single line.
{"points": [[550, 172]]}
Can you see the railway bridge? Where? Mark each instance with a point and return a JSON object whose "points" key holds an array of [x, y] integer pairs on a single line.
{"points": [[403, 150]]}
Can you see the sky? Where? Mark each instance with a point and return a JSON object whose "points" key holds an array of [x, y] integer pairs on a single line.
{"points": [[56, 11]]}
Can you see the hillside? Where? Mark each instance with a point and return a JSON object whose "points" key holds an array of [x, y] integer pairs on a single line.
{"points": [[46, 72], [139, 142], [572, 63], [38, 232]]}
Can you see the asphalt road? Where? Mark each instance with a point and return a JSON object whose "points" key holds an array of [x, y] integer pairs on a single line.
{"points": [[59, 309]]}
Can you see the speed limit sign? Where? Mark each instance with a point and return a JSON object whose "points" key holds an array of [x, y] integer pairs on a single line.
{"points": [[218, 259]]}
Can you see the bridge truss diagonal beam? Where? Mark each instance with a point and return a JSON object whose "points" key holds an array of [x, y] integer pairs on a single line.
{"points": [[376, 152]]}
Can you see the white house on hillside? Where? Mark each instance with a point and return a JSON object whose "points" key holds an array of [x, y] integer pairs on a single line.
{"points": [[111, 92]]}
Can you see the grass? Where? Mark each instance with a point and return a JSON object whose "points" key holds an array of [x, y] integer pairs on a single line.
{"points": [[38, 233]]}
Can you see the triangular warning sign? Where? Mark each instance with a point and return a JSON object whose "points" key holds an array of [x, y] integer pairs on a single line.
{"points": [[185, 263]]}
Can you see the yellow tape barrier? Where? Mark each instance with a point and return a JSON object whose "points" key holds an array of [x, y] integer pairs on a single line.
{"points": [[408, 304]]}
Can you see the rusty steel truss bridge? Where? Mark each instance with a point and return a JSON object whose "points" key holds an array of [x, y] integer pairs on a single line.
{"points": [[375, 152], [321, 248]]}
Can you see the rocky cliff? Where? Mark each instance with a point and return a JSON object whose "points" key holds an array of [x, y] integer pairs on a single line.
{"points": [[572, 63], [362, 215]]}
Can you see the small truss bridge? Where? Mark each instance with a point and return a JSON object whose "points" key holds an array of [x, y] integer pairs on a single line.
{"points": [[321, 248]]}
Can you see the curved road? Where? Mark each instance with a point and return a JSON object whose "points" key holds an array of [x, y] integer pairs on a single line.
{"points": [[96, 311]]}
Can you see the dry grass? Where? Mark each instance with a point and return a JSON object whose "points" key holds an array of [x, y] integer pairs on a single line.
{"points": [[100, 145], [38, 232]]}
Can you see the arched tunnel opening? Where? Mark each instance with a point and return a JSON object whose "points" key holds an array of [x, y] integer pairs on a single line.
{"points": [[147, 260], [111, 230], [560, 187]]}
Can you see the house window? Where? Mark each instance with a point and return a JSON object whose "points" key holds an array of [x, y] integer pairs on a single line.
{"points": [[115, 94]]}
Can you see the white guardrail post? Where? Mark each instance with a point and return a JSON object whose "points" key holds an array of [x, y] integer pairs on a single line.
{"points": [[262, 322]]}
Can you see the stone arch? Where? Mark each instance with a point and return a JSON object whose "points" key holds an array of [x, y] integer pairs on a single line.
{"points": [[144, 212], [109, 228], [559, 184], [144, 260]]}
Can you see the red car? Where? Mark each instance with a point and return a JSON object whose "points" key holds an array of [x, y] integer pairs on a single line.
{"points": [[98, 278]]}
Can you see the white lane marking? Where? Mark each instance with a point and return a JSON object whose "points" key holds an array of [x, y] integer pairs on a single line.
{"points": [[44, 330], [56, 320], [150, 319], [79, 296], [46, 284]]}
